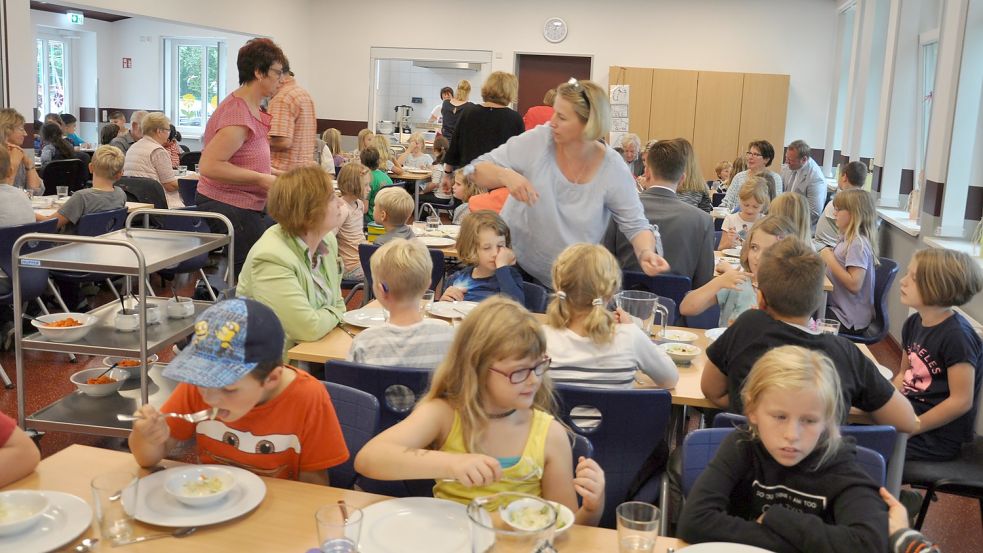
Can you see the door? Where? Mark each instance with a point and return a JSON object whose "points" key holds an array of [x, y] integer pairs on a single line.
{"points": [[538, 73]]}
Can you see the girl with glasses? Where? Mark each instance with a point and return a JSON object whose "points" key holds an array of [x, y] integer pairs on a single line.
{"points": [[486, 425]]}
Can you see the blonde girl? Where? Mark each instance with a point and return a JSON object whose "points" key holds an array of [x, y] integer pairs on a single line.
{"points": [[487, 421], [734, 290], [850, 264], [594, 346], [723, 171], [739, 165], [387, 161], [354, 182], [788, 481], [416, 156], [693, 190], [936, 336], [794, 207], [484, 246], [753, 198], [331, 158], [366, 138], [463, 189]]}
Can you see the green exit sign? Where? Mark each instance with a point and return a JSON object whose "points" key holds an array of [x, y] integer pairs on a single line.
{"points": [[76, 18]]}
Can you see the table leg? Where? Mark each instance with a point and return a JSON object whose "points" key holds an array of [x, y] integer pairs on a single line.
{"points": [[416, 200], [895, 465]]}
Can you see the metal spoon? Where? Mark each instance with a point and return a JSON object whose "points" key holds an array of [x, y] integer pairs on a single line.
{"points": [[86, 545], [179, 533]]}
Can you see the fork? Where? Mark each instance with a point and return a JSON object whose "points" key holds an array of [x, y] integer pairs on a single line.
{"points": [[193, 418]]}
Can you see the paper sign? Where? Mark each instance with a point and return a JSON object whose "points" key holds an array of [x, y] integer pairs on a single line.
{"points": [[614, 138], [619, 110], [619, 124], [619, 94]]}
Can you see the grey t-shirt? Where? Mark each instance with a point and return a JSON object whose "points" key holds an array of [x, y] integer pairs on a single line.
{"points": [[90, 200], [402, 231], [15, 209]]}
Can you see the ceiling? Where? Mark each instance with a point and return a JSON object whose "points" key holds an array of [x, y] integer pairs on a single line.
{"points": [[89, 14]]}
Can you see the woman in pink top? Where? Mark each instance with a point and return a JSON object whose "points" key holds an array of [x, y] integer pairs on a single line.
{"points": [[235, 160]]}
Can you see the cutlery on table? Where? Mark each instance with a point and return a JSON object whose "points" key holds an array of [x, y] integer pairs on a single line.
{"points": [[179, 533], [200, 416], [346, 331]]}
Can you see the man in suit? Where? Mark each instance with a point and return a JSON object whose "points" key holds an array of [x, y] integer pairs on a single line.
{"points": [[802, 175], [687, 232]]}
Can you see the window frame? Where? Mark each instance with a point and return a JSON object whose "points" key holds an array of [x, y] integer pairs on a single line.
{"points": [[923, 122], [69, 67], [170, 48]]}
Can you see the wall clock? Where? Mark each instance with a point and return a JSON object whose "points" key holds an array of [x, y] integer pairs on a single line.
{"points": [[555, 29]]}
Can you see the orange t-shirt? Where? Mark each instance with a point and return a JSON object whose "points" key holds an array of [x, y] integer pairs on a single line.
{"points": [[494, 200], [295, 431]]}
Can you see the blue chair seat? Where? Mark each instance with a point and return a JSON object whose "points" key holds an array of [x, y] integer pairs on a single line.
{"points": [[884, 275], [358, 415]]}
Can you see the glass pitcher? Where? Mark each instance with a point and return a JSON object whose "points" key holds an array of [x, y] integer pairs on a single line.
{"points": [[512, 522], [643, 306]]}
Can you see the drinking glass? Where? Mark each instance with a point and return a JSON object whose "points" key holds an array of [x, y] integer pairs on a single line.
{"points": [[828, 326], [426, 303], [433, 223], [182, 170], [62, 192], [638, 525], [114, 495], [338, 528], [494, 530]]}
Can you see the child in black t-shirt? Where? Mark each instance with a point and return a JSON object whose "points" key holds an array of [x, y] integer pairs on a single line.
{"points": [[790, 281], [943, 357]]}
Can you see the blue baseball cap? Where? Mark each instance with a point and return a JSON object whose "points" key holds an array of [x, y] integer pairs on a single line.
{"points": [[231, 338]]}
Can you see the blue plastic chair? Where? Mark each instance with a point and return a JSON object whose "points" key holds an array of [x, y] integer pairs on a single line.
{"points": [[377, 381], [365, 252], [674, 287], [94, 224], [717, 198], [536, 297], [358, 414], [633, 423], [884, 275], [718, 224], [710, 318], [196, 263], [188, 190], [717, 235], [873, 464]]}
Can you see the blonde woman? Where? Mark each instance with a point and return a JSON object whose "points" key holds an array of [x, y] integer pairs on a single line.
{"points": [[331, 159], [451, 109], [12, 131], [565, 185], [693, 189], [483, 127]]}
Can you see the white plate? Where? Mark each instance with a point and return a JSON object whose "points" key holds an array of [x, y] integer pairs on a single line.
{"points": [[437, 241], [731, 260], [722, 547], [452, 309], [156, 506], [714, 333], [885, 372], [450, 230], [415, 524], [366, 317], [677, 336], [66, 518], [732, 252]]}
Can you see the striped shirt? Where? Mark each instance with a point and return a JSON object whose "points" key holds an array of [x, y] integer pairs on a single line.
{"points": [[292, 110], [422, 345], [254, 154], [579, 361]]}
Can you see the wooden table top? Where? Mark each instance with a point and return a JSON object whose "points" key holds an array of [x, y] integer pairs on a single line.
{"points": [[283, 522]]}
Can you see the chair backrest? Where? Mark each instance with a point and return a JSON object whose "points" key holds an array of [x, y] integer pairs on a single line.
{"points": [[580, 446], [365, 252], [884, 275], [62, 172], [699, 447], [717, 198], [536, 297], [717, 235], [99, 223], [710, 318], [184, 149], [358, 414], [190, 160], [873, 464], [143, 190], [33, 281], [396, 388], [633, 422], [188, 190], [718, 224], [186, 224], [673, 287]]}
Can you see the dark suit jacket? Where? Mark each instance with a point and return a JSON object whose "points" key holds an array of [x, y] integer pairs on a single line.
{"points": [[687, 236]]}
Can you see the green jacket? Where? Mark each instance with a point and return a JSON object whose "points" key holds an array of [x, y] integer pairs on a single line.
{"points": [[278, 274]]}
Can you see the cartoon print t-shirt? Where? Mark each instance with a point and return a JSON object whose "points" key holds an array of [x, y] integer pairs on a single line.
{"points": [[930, 352], [295, 431]]}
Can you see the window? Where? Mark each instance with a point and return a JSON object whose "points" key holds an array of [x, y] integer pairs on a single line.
{"points": [[928, 55], [52, 75], [194, 82]]}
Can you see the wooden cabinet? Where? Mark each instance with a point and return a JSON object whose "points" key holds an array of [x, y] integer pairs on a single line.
{"points": [[718, 112]]}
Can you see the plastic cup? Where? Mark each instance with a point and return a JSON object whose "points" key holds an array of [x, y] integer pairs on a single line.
{"points": [[433, 223], [182, 170], [62, 192], [426, 303], [828, 326], [638, 527], [114, 495], [338, 528]]}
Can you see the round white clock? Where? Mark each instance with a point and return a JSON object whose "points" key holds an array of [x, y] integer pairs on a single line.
{"points": [[555, 29]]}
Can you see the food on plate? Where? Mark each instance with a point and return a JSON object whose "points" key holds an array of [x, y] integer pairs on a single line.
{"points": [[102, 379], [531, 517], [202, 486], [64, 323], [128, 363], [682, 349]]}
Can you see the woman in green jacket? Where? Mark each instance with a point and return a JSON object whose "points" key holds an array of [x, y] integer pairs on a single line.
{"points": [[294, 267]]}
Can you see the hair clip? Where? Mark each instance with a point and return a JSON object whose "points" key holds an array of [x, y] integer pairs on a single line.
{"points": [[597, 302], [560, 295], [384, 287]]}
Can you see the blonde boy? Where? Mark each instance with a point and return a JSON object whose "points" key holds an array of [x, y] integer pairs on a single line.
{"points": [[393, 208], [106, 168], [400, 275], [852, 175]]}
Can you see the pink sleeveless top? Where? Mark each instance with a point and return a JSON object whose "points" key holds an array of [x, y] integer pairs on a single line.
{"points": [[254, 154]]}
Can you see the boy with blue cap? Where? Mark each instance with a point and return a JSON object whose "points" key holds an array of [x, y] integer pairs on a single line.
{"points": [[271, 419]]}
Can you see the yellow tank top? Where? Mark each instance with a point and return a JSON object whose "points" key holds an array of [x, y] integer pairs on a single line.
{"points": [[535, 449]]}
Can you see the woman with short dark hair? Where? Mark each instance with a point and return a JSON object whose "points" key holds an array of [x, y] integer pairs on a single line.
{"points": [[760, 154]]}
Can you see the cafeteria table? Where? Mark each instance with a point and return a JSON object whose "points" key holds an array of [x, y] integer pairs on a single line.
{"points": [[283, 521]]}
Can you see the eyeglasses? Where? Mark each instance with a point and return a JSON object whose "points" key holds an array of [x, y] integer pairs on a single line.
{"points": [[753, 154], [583, 92], [521, 375], [278, 72]]}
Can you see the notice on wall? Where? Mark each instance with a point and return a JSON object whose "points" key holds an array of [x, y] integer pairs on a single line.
{"points": [[619, 94]]}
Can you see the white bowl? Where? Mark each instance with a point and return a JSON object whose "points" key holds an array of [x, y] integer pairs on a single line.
{"points": [[180, 309], [99, 390], [132, 370], [713, 333], [681, 353], [512, 510], [67, 333], [20, 509], [183, 485], [680, 336]]}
